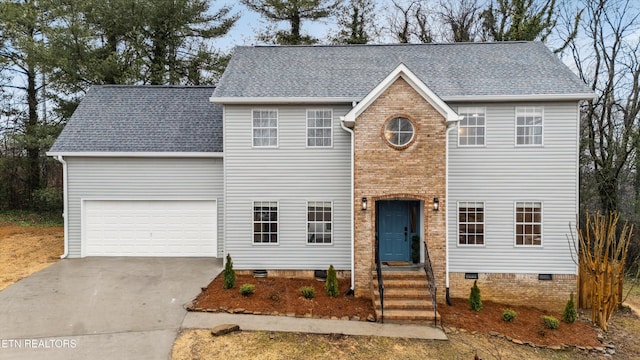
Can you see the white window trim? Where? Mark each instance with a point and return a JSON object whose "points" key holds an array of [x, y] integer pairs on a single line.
{"points": [[277, 129], [515, 129], [465, 109], [484, 223], [253, 205], [307, 224], [515, 224], [413, 132], [307, 129]]}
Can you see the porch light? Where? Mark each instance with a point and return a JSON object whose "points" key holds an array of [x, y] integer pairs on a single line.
{"points": [[364, 203], [436, 204]]}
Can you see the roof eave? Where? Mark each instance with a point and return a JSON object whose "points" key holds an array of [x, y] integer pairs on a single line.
{"points": [[513, 98], [281, 100], [141, 154]]}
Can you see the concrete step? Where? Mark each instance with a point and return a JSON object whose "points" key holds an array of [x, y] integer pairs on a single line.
{"points": [[402, 283], [418, 274], [403, 293], [409, 316], [405, 304]]}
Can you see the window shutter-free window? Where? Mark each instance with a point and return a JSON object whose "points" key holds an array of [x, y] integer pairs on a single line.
{"points": [[265, 128], [265, 222], [471, 130], [529, 125], [319, 128], [528, 223]]}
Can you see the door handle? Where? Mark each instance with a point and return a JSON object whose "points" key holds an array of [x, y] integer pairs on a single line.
{"points": [[405, 233]]}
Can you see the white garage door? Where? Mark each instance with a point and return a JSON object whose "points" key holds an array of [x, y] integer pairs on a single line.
{"points": [[149, 228]]}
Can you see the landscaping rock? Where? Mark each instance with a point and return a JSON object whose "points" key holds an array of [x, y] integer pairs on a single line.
{"points": [[516, 341], [371, 318], [224, 329]]}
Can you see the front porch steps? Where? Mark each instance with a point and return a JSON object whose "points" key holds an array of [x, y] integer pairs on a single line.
{"points": [[406, 297]]}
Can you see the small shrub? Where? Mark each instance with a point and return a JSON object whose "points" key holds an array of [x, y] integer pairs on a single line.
{"points": [[332, 282], [308, 292], [508, 315], [570, 313], [229, 274], [474, 298], [550, 321], [247, 289]]}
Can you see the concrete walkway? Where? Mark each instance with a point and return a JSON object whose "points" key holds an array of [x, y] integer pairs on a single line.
{"points": [[197, 320]]}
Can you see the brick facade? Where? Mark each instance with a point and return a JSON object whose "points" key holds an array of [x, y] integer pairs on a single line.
{"points": [[415, 172], [518, 289]]}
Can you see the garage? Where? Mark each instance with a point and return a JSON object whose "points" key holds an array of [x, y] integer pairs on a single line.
{"points": [[163, 228]]}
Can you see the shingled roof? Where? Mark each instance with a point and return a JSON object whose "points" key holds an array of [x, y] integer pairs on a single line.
{"points": [[456, 71], [113, 118]]}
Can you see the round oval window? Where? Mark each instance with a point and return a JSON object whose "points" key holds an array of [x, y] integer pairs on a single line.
{"points": [[398, 131]]}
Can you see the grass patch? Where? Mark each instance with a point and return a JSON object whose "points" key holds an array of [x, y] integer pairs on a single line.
{"points": [[31, 218]]}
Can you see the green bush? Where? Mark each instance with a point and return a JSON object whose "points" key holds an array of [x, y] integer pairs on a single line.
{"points": [[550, 321], [570, 313], [508, 315], [474, 298], [247, 289], [332, 282], [308, 292], [229, 274], [48, 199]]}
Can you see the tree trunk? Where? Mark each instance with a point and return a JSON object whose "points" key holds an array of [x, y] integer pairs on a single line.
{"points": [[33, 150]]}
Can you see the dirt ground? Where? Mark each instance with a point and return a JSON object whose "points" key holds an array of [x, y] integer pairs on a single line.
{"points": [[27, 249], [473, 334]]}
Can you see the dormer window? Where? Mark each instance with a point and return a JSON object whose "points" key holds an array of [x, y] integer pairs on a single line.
{"points": [[399, 131]]}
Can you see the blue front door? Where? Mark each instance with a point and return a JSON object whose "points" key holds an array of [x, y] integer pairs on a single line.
{"points": [[394, 230]]}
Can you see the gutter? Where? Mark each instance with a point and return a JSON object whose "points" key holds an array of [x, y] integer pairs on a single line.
{"points": [[450, 126], [65, 200], [353, 281]]}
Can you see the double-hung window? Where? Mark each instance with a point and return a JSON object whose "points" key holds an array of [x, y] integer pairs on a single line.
{"points": [[529, 125], [528, 223], [319, 128], [265, 222], [471, 223], [471, 131], [265, 128], [319, 222]]}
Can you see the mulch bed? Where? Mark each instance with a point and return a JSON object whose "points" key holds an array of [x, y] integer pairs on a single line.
{"points": [[527, 326], [281, 296]]}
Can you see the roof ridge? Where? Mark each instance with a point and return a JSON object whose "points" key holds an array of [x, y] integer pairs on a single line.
{"points": [[475, 43], [157, 86]]}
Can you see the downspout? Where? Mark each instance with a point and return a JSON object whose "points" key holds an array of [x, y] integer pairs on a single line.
{"points": [[65, 207], [353, 273], [450, 126]]}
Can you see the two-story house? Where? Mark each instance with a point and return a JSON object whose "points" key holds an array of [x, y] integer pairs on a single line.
{"points": [[464, 156]]}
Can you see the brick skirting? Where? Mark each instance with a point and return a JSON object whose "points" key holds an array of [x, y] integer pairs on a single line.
{"points": [[517, 289]]}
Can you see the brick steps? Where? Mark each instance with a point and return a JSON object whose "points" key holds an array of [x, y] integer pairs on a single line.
{"points": [[406, 298]]}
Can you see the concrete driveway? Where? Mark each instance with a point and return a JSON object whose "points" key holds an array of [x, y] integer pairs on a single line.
{"points": [[101, 308]]}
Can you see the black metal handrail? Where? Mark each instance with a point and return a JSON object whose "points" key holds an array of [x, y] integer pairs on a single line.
{"points": [[380, 282], [432, 283]]}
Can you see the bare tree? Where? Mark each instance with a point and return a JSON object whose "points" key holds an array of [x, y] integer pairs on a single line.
{"points": [[461, 18], [607, 59], [411, 21]]}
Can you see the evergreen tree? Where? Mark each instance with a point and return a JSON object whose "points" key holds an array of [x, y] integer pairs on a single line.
{"points": [[293, 12], [357, 22]]}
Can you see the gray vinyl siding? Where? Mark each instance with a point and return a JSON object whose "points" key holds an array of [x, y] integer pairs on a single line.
{"points": [[290, 174], [501, 173], [141, 178]]}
